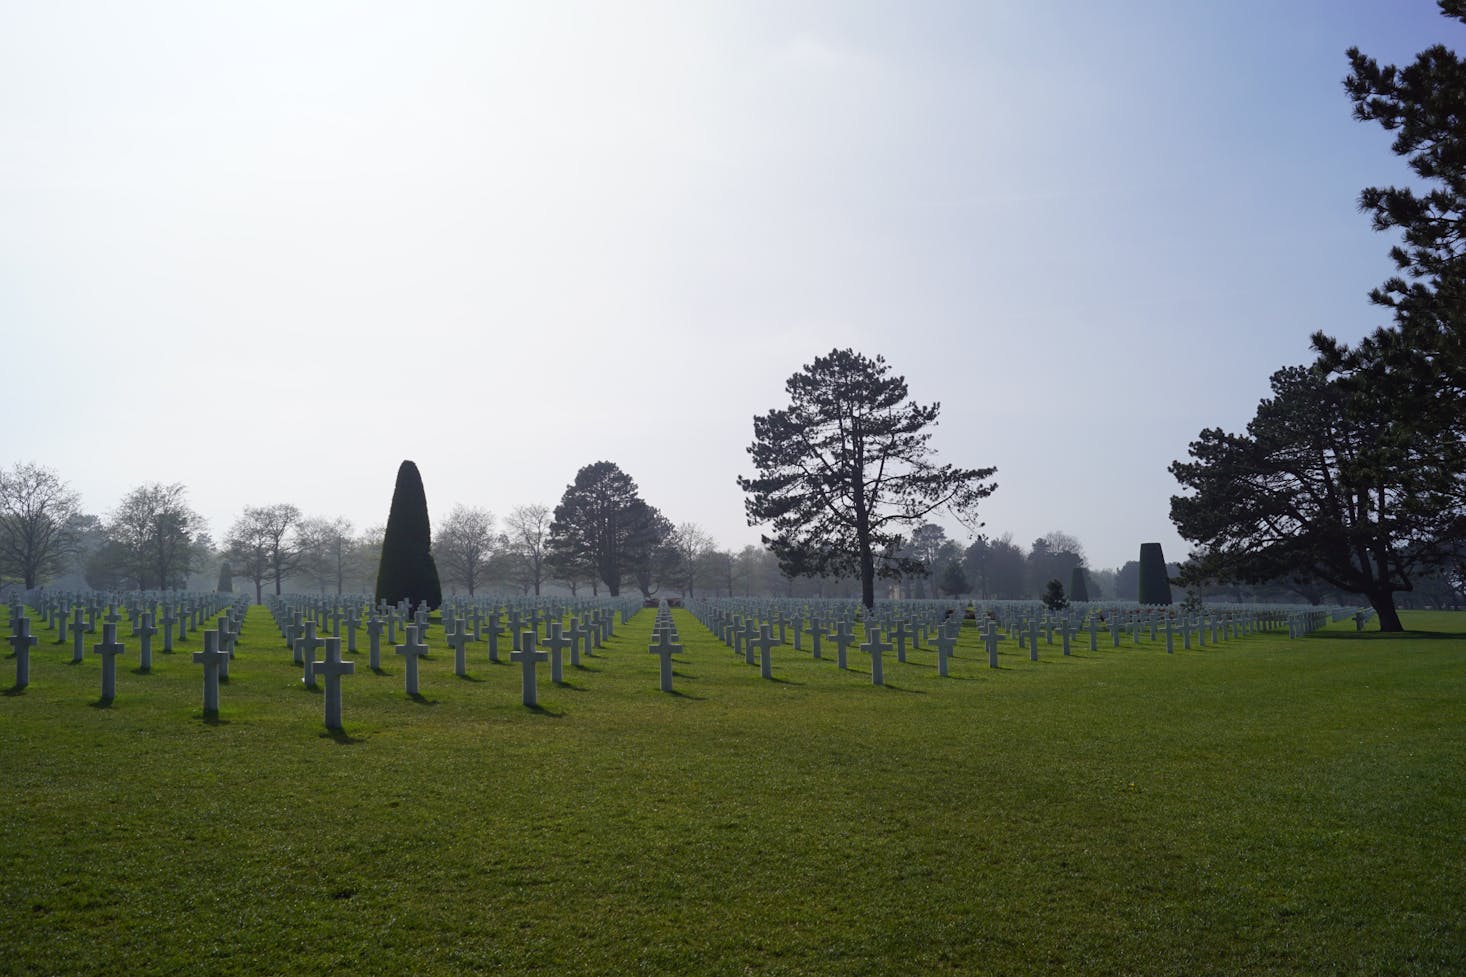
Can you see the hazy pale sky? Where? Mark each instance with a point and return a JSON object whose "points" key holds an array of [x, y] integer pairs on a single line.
{"points": [[269, 250]]}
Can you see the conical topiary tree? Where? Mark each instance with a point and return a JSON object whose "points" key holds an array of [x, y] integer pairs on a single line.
{"points": [[1155, 586], [1078, 588], [407, 569], [226, 578]]}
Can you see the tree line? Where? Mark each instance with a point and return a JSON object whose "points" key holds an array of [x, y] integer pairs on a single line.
{"points": [[153, 539]]}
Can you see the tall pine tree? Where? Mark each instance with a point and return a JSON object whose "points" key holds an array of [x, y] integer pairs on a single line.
{"points": [[846, 464]]}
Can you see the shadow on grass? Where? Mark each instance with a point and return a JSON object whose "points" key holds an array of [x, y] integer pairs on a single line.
{"points": [[142, 671], [103, 703], [14, 690], [341, 738], [782, 681], [684, 695], [212, 719], [584, 668], [1386, 635], [897, 688], [540, 710], [422, 700], [469, 678], [571, 686], [381, 671]]}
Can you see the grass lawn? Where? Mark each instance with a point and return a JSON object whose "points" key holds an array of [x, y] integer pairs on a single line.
{"points": [[1258, 807]]}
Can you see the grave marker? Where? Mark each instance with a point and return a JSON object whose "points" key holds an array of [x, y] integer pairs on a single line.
{"points": [[763, 643], [666, 646], [331, 671], [109, 649], [557, 642], [457, 639], [527, 657], [874, 647], [145, 632], [411, 649], [22, 641], [211, 658], [305, 653]]}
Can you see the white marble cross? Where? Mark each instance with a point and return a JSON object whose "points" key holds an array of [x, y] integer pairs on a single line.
{"points": [[579, 638], [457, 639], [305, 653], [527, 657], [763, 643], [374, 627], [874, 647], [22, 641], [557, 642], [495, 632], [79, 630], [411, 649], [145, 631], [666, 646], [946, 643], [331, 671], [211, 658], [109, 649], [843, 638]]}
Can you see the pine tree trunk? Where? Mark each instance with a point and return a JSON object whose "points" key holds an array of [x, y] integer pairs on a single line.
{"points": [[1383, 603]]}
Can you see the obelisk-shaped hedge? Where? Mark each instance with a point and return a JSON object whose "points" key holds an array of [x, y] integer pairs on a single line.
{"points": [[407, 568], [1078, 587], [1155, 586]]}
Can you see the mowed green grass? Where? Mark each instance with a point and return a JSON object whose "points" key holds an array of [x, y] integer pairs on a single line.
{"points": [[1258, 807]]}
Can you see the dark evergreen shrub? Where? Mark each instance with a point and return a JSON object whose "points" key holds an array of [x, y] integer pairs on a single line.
{"points": [[1155, 586], [407, 569], [1078, 587]]}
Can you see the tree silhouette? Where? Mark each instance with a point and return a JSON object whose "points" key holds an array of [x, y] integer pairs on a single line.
{"points": [[407, 570], [847, 464]]}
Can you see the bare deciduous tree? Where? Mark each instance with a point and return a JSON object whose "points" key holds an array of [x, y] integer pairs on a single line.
{"points": [[528, 532], [262, 543], [692, 544], [154, 528], [464, 543], [37, 510]]}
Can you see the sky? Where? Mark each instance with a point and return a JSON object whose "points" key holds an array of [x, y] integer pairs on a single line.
{"points": [[270, 250]]}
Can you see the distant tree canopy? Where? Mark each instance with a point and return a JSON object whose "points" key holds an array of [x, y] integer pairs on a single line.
{"points": [[527, 543], [995, 568], [407, 569], [845, 465], [262, 542], [1053, 556], [37, 510], [463, 546], [151, 535], [603, 529]]}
